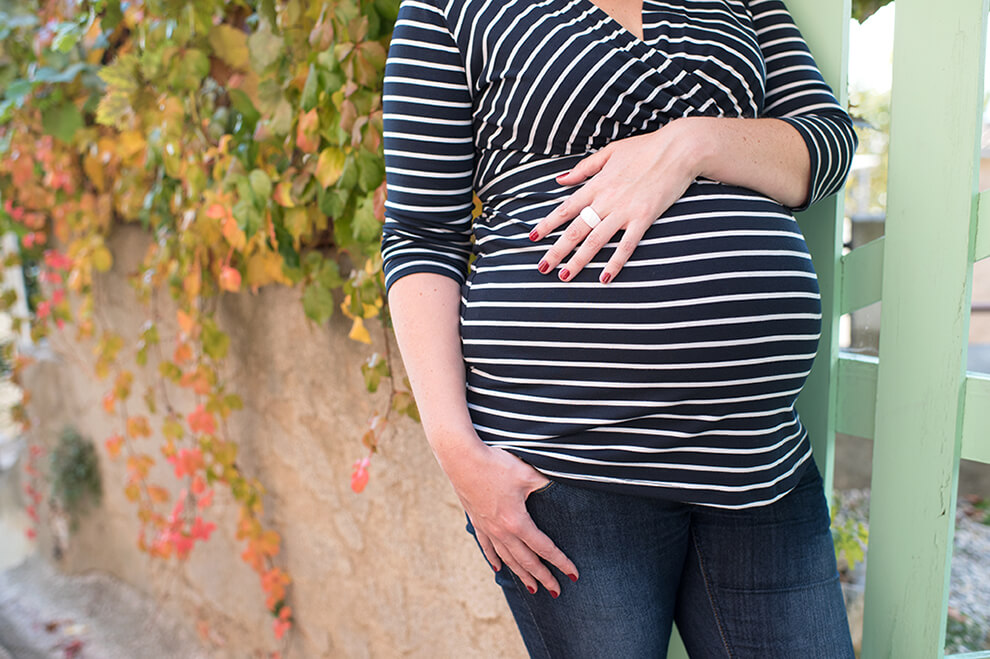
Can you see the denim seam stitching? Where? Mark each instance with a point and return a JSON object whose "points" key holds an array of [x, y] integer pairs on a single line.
{"points": [[529, 609], [711, 599]]}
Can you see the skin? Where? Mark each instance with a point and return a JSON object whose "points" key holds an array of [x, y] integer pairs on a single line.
{"points": [[629, 183]]}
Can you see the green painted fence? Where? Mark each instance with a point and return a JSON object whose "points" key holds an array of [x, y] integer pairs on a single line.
{"points": [[916, 401]]}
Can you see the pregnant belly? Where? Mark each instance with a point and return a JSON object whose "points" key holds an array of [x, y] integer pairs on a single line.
{"points": [[718, 306]]}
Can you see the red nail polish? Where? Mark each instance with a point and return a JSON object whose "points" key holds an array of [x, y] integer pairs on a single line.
{"points": [[565, 274], [572, 577], [544, 267], [534, 235], [564, 174], [554, 594], [494, 569], [532, 591], [606, 277]]}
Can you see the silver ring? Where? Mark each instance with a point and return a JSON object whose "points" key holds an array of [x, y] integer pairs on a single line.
{"points": [[590, 217]]}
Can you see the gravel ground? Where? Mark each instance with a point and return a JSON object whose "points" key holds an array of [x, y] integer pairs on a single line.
{"points": [[969, 594]]}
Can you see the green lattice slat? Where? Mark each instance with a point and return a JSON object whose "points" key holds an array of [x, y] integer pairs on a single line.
{"points": [[927, 277], [982, 247], [856, 410], [862, 274]]}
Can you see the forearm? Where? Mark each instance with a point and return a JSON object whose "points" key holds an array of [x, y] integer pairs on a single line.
{"points": [[765, 154], [424, 309]]}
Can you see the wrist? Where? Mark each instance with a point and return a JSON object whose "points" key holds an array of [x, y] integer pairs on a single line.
{"points": [[455, 448], [696, 138]]}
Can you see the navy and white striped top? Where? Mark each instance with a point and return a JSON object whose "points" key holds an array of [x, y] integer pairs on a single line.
{"points": [[678, 379]]}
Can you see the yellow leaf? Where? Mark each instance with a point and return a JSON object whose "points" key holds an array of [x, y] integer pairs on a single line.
{"points": [[94, 169], [330, 166], [283, 196], [233, 233], [264, 267], [102, 259], [359, 332], [230, 45], [130, 143]]}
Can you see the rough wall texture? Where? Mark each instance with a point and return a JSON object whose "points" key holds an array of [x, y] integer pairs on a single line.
{"points": [[389, 573]]}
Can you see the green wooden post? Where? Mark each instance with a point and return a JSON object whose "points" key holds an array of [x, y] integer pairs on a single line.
{"points": [[927, 275], [825, 26]]}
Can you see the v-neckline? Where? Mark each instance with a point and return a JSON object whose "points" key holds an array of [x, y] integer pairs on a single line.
{"points": [[642, 21]]}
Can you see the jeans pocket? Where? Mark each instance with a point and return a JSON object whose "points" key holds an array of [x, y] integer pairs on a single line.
{"points": [[542, 489]]}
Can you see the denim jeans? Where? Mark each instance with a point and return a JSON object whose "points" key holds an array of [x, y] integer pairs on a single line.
{"points": [[755, 583]]}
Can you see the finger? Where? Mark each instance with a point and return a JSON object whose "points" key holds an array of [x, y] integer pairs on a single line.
{"points": [[630, 239], [591, 245], [576, 231], [489, 550], [529, 561], [541, 544], [565, 210], [586, 168], [510, 560]]}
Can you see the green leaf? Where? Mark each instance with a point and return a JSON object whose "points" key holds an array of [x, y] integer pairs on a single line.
{"points": [[310, 91], [121, 75], [318, 302], [230, 45], [62, 121], [68, 74], [281, 121], [371, 170], [265, 47], [216, 342], [366, 226], [66, 37], [18, 89], [261, 185]]}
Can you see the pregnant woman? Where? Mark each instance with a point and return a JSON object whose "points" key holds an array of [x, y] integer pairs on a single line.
{"points": [[610, 383]]}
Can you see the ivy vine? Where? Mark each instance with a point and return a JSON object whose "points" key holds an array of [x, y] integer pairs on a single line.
{"points": [[245, 137]]}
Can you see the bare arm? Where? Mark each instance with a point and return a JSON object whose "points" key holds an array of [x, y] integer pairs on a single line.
{"points": [[424, 309]]}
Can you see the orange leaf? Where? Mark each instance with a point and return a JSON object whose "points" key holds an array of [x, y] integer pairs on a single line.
{"points": [[307, 131], [113, 445], [137, 426], [186, 322], [157, 493], [201, 421], [183, 353], [108, 402]]}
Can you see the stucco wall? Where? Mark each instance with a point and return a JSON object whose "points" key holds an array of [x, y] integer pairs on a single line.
{"points": [[388, 573]]}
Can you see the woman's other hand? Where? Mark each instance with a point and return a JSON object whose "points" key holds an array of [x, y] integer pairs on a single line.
{"points": [[633, 181], [493, 485]]}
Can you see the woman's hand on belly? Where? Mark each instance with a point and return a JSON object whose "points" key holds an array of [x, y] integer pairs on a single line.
{"points": [[493, 485], [630, 183], [633, 181]]}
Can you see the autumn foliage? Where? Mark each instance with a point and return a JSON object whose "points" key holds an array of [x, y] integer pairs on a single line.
{"points": [[245, 137]]}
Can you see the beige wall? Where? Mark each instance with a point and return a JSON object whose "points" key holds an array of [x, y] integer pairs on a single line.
{"points": [[389, 573]]}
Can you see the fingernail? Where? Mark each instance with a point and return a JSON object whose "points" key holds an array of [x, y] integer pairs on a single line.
{"points": [[606, 277], [494, 569], [554, 594], [564, 174], [565, 274], [532, 591], [534, 235], [544, 267], [572, 577]]}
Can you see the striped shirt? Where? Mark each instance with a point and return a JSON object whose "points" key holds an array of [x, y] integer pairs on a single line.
{"points": [[678, 379]]}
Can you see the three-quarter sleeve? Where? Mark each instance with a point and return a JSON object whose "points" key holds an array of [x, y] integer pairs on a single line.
{"points": [[797, 94], [429, 149]]}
